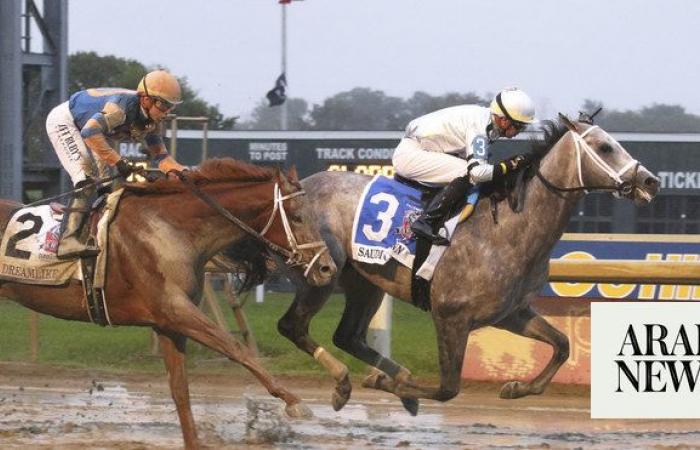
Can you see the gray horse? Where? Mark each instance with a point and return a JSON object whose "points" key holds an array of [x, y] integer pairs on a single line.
{"points": [[489, 275]]}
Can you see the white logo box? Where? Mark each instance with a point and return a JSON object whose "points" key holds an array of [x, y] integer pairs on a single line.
{"points": [[648, 388]]}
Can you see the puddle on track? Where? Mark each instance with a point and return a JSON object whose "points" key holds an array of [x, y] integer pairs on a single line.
{"points": [[115, 415]]}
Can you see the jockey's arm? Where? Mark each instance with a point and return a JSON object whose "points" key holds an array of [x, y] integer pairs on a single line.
{"points": [[480, 171], [157, 151], [102, 122]]}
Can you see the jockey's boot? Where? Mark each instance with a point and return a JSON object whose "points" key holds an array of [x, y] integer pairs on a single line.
{"points": [[70, 245], [428, 224]]}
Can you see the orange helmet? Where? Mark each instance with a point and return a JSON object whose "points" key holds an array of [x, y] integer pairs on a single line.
{"points": [[162, 85]]}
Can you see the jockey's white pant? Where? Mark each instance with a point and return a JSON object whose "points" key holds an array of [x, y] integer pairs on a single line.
{"points": [[65, 137], [412, 162]]}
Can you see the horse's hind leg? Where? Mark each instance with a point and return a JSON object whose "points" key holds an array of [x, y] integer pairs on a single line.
{"points": [[528, 323], [294, 325], [453, 328], [185, 318], [173, 348]]}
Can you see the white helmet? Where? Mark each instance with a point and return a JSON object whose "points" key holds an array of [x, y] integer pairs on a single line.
{"points": [[514, 104]]}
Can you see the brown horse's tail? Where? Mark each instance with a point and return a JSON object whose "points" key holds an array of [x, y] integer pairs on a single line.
{"points": [[251, 261]]}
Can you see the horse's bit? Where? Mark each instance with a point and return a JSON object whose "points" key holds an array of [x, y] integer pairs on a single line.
{"points": [[621, 187]]}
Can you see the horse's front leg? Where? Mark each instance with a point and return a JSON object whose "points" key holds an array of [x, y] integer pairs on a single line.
{"points": [[528, 323], [185, 318], [294, 325], [173, 348]]}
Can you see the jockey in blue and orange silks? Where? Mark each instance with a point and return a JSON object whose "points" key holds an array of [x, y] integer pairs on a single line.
{"points": [[85, 129]]}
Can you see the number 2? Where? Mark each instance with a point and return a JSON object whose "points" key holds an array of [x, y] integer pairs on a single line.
{"points": [[23, 234]]}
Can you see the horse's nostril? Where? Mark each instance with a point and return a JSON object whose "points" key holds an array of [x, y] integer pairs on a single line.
{"points": [[325, 269], [651, 181]]}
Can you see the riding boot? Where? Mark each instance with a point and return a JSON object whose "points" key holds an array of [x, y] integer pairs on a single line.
{"points": [[70, 245], [429, 222]]}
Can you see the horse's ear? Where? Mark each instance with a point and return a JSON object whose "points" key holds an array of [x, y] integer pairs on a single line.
{"points": [[568, 123], [292, 174]]}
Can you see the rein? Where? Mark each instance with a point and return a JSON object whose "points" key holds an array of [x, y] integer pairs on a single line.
{"points": [[621, 187], [99, 182], [294, 256]]}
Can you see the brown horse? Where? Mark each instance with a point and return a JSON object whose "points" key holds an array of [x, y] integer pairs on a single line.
{"points": [[159, 241], [489, 275]]}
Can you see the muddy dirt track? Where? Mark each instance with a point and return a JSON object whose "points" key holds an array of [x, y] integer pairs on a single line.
{"points": [[44, 407]]}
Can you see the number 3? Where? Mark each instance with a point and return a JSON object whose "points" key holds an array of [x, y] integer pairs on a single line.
{"points": [[479, 147], [385, 217]]}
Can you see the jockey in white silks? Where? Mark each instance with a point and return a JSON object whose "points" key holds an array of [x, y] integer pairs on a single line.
{"points": [[450, 147], [85, 129]]}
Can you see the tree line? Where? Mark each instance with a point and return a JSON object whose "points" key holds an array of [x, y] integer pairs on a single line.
{"points": [[360, 108]]}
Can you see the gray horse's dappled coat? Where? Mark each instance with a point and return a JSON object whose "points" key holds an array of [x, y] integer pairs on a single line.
{"points": [[489, 275]]}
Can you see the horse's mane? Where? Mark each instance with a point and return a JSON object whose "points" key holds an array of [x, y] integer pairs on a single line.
{"points": [[214, 170], [514, 189], [552, 130]]}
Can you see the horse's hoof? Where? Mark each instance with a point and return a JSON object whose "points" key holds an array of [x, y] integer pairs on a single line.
{"points": [[339, 401], [299, 411], [411, 404], [513, 390], [341, 395]]}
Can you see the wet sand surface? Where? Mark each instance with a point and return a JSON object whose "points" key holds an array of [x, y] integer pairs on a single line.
{"points": [[45, 407]]}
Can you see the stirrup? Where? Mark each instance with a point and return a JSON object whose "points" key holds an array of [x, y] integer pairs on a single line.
{"points": [[433, 238]]}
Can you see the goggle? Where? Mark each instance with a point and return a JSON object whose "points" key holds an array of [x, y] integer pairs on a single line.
{"points": [[163, 105], [518, 126]]}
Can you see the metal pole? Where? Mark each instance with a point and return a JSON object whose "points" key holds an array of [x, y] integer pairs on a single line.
{"points": [[260, 293], [27, 27], [173, 138], [205, 147], [11, 99], [283, 107], [379, 336]]}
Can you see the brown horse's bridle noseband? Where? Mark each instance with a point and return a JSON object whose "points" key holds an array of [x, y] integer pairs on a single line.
{"points": [[621, 187], [293, 254]]}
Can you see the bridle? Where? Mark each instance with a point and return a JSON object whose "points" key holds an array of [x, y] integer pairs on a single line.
{"points": [[293, 254], [294, 258], [621, 187]]}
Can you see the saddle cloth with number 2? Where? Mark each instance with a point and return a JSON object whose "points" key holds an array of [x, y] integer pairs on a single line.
{"points": [[30, 241]]}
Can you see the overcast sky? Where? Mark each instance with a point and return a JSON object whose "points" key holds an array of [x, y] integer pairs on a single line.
{"points": [[626, 53]]}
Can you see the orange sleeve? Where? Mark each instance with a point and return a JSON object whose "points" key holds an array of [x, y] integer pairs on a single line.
{"points": [[99, 145], [168, 163]]}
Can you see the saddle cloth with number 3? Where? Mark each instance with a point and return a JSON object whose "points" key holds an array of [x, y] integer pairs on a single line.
{"points": [[382, 226]]}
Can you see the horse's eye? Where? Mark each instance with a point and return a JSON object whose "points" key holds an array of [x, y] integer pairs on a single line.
{"points": [[605, 148]]}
